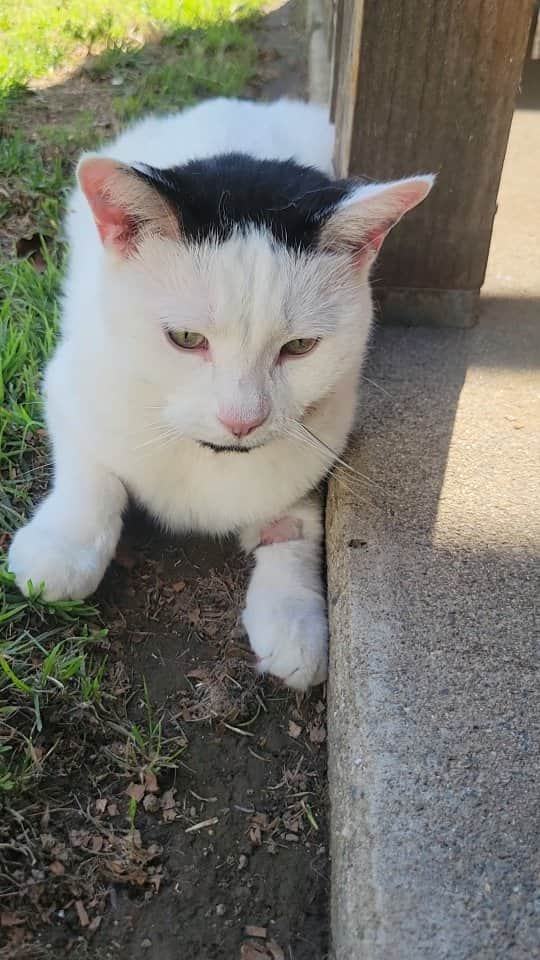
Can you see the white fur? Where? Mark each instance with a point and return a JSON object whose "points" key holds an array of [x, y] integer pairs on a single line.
{"points": [[125, 408]]}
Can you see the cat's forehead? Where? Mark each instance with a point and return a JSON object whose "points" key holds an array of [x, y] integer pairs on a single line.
{"points": [[248, 286], [214, 198], [251, 278]]}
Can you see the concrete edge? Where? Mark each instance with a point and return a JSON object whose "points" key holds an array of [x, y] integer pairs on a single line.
{"points": [[354, 916]]}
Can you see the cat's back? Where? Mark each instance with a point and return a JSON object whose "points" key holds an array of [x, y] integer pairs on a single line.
{"points": [[283, 129]]}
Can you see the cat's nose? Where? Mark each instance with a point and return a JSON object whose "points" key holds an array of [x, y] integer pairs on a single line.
{"points": [[241, 426]]}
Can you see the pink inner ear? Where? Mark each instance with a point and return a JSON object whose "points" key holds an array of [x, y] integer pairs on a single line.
{"points": [[116, 228], [400, 198], [373, 241]]}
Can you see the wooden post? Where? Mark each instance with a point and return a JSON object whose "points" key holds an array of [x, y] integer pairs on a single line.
{"points": [[429, 86]]}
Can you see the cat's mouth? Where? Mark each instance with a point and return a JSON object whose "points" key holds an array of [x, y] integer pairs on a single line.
{"points": [[216, 448]]}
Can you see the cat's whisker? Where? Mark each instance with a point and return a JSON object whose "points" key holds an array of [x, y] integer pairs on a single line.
{"points": [[332, 453], [347, 480], [154, 425], [345, 484], [160, 439], [349, 483], [377, 386]]}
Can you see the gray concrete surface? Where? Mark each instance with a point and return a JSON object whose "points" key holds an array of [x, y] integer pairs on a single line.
{"points": [[434, 714]]}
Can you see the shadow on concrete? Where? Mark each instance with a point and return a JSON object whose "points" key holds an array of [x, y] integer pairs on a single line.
{"points": [[433, 717]]}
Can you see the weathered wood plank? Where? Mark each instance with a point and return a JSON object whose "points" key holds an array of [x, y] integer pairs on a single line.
{"points": [[336, 33], [428, 85]]}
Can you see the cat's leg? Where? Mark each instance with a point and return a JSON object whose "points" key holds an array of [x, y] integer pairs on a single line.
{"points": [[285, 614], [70, 541]]}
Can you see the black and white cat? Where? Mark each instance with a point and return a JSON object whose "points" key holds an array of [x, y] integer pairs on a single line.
{"points": [[216, 314]]}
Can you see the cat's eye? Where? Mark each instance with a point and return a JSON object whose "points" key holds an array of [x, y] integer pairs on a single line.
{"points": [[296, 348], [187, 339]]}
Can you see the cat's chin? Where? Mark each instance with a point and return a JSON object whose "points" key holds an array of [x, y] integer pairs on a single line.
{"points": [[218, 448]]}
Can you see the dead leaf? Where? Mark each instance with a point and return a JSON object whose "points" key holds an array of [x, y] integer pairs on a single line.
{"points": [[150, 782], [96, 843], [37, 753], [198, 674], [294, 730], [57, 868], [79, 838], [81, 913], [261, 819], [275, 950], [151, 803], [10, 919], [253, 951], [194, 616], [258, 823], [136, 791], [317, 733], [30, 248], [168, 805], [94, 924], [255, 835], [290, 822], [178, 586], [16, 936], [112, 809], [100, 805]]}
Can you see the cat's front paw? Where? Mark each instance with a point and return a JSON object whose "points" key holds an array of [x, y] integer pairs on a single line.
{"points": [[289, 636], [67, 568]]}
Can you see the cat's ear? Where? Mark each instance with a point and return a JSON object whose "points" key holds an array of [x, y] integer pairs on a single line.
{"points": [[125, 206], [362, 220]]}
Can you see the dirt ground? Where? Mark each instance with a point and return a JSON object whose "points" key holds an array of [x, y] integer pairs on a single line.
{"points": [[257, 779], [227, 855]]}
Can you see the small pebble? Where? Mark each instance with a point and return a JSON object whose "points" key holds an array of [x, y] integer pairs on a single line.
{"points": [[242, 862], [146, 943], [220, 909]]}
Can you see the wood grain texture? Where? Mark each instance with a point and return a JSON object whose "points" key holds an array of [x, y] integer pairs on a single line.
{"points": [[429, 86], [335, 30]]}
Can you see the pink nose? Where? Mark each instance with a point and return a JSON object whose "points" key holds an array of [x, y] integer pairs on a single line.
{"points": [[241, 426]]}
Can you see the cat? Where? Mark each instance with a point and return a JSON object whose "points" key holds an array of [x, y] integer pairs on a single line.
{"points": [[216, 313]]}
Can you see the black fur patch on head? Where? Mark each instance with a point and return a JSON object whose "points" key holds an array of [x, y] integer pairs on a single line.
{"points": [[213, 197]]}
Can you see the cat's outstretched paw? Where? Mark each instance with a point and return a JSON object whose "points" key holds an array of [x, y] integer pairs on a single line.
{"points": [[289, 636], [68, 569]]}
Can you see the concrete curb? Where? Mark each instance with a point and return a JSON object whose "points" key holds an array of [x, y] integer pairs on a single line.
{"points": [[434, 692]]}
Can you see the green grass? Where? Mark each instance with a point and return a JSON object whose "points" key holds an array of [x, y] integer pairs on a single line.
{"points": [[132, 58], [28, 324], [70, 724], [46, 663], [40, 36]]}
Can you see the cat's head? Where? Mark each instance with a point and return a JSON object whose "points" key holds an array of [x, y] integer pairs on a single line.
{"points": [[237, 287]]}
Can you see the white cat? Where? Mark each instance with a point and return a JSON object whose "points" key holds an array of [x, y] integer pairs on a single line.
{"points": [[216, 314]]}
